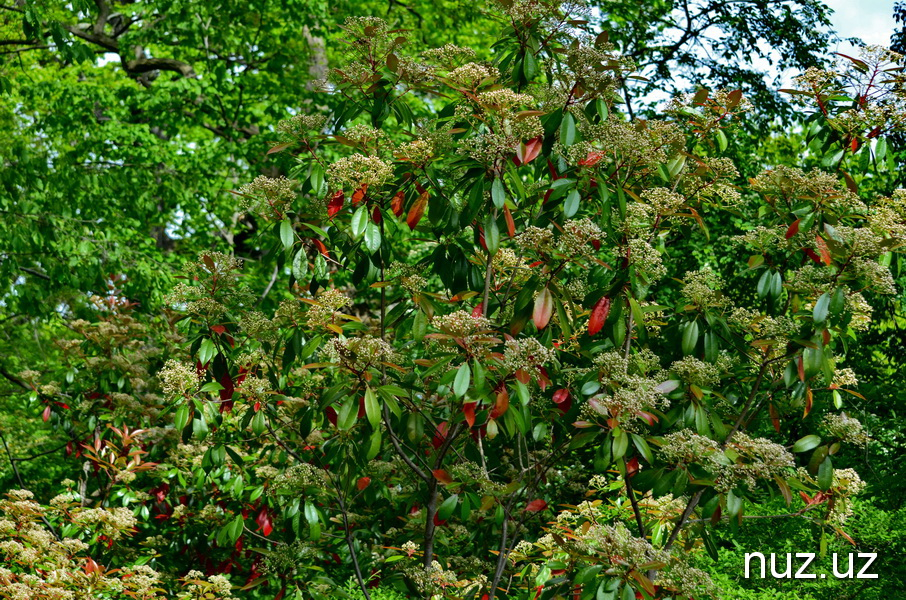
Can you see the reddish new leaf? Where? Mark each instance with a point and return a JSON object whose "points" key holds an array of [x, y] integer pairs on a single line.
{"points": [[822, 247], [544, 308], [535, 506], [528, 151], [632, 466], [468, 412], [593, 158], [793, 229], [598, 316], [218, 329], [362, 483], [510, 224], [442, 476], [279, 147], [396, 205], [417, 210], [359, 194], [501, 405], [478, 310], [440, 435], [376, 215], [265, 525], [335, 204], [321, 248]]}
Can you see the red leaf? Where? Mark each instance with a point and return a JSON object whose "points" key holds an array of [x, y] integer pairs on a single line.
{"points": [[793, 229], [442, 476], [800, 367], [822, 247], [632, 466], [359, 194], [598, 315], [563, 400], [279, 147], [811, 254], [265, 526], [544, 308], [218, 329], [528, 151], [476, 312], [510, 224], [501, 405], [91, 566], [46, 414], [593, 158], [775, 417], [808, 402], [438, 521], [440, 435], [417, 210], [523, 377], [535, 506], [468, 411], [561, 396], [226, 394], [376, 215], [854, 145], [543, 379], [396, 205], [335, 204], [331, 415], [362, 483], [321, 247]]}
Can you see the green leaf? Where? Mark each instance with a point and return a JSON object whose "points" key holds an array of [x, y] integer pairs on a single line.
{"points": [[320, 267], [568, 129], [825, 474], [359, 221], [690, 338], [300, 266], [822, 306], [258, 424], [734, 504], [181, 418], [372, 408], [211, 386], [461, 382], [721, 138], [806, 443], [372, 237], [347, 414], [571, 204], [620, 443], [286, 234], [419, 326], [491, 235], [445, 510], [498, 194], [206, 351], [764, 284]]}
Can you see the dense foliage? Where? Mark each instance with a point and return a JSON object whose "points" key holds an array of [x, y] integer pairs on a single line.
{"points": [[494, 334]]}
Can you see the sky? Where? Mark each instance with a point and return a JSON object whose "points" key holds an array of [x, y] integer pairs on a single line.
{"points": [[870, 20]]}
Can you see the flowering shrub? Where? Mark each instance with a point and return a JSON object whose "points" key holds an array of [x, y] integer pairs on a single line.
{"points": [[526, 346]]}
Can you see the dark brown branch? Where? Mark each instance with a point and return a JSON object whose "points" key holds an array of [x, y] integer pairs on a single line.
{"points": [[146, 65]]}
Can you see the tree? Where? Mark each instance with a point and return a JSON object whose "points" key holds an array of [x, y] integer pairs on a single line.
{"points": [[492, 295]]}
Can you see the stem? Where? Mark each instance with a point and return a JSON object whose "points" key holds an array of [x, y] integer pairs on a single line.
{"points": [[351, 544], [635, 507]]}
